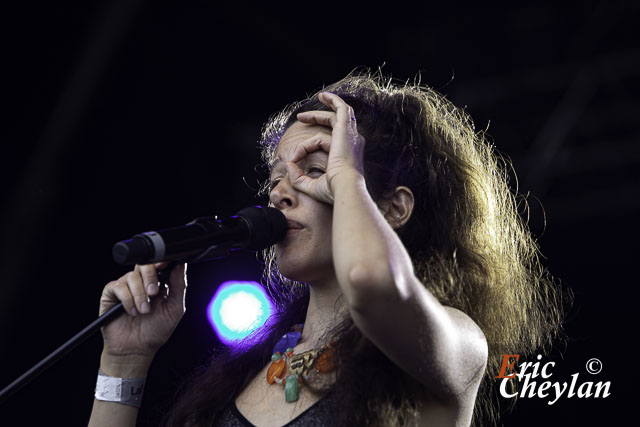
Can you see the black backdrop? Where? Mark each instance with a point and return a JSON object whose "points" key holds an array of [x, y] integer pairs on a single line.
{"points": [[124, 116]]}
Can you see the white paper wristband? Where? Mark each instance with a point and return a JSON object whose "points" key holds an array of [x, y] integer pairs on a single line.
{"points": [[127, 391]]}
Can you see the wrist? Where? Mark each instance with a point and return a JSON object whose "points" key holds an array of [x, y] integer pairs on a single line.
{"points": [[346, 178], [129, 366], [124, 391]]}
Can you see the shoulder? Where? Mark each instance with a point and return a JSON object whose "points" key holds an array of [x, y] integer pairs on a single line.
{"points": [[439, 346]]}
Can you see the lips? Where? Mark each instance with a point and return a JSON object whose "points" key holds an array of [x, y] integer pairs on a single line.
{"points": [[293, 225]]}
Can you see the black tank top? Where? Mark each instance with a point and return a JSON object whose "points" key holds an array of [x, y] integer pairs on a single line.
{"points": [[319, 414]]}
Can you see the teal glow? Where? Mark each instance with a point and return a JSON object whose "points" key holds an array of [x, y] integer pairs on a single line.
{"points": [[237, 309]]}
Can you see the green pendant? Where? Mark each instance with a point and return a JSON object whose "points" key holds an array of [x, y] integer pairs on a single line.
{"points": [[291, 388]]}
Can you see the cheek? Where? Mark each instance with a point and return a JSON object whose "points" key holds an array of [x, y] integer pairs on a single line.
{"points": [[325, 219]]}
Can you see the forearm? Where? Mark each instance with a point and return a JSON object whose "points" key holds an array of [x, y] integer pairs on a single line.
{"points": [[113, 413], [369, 257], [376, 275]]}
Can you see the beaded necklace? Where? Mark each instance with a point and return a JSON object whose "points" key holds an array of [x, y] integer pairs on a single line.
{"points": [[322, 361]]}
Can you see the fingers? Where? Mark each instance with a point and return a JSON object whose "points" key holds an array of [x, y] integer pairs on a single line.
{"points": [[118, 290], [345, 116], [342, 114], [298, 179], [137, 289], [178, 287], [175, 291], [133, 290], [320, 141], [322, 118], [149, 275], [316, 187], [344, 147]]}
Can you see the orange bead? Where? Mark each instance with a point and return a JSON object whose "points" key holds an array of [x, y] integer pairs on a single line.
{"points": [[326, 362], [276, 369]]}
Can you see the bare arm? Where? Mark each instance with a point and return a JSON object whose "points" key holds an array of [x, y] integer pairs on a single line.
{"points": [[132, 340], [112, 413], [439, 346]]}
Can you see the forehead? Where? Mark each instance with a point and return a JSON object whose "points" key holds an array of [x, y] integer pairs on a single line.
{"points": [[296, 134]]}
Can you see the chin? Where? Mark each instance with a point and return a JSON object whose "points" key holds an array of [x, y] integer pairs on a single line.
{"points": [[309, 274], [300, 265], [291, 272]]}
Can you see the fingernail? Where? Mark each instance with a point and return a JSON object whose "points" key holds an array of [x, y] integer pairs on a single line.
{"points": [[144, 308], [151, 288], [134, 312]]}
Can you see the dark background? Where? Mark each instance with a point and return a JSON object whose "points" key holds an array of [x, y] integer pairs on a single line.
{"points": [[124, 116]]}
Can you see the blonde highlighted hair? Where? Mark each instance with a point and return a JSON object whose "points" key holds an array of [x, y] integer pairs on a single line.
{"points": [[469, 245]]}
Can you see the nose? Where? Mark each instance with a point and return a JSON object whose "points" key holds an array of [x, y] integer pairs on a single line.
{"points": [[283, 194]]}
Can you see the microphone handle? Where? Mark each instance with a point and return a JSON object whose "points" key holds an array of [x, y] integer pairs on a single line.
{"points": [[77, 339]]}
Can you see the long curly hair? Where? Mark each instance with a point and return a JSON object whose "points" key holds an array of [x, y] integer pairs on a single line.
{"points": [[468, 243]]}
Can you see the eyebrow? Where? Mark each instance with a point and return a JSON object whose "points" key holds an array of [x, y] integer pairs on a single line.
{"points": [[275, 163]]}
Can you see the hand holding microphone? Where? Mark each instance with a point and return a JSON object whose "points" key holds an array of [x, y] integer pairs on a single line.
{"points": [[131, 341], [134, 339]]}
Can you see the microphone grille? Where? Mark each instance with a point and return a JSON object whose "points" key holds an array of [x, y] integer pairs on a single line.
{"points": [[268, 226]]}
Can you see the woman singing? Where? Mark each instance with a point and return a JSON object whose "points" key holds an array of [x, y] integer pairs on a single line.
{"points": [[405, 273]]}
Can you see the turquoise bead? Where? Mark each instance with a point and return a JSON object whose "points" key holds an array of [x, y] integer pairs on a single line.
{"points": [[291, 388]]}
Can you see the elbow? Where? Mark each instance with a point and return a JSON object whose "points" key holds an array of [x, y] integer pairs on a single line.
{"points": [[481, 359], [369, 282], [476, 358], [473, 356]]}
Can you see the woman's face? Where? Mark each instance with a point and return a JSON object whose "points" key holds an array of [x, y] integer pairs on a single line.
{"points": [[305, 253]]}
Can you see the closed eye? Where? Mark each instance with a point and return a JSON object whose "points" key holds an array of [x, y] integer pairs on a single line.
{"points": [[273, 184], [315, 170]]}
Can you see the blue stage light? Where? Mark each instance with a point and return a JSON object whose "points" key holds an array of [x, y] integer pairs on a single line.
{"points": [[237, 309]]}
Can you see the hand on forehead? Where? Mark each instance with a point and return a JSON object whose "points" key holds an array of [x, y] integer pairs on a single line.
{"points": [[302, 140]]}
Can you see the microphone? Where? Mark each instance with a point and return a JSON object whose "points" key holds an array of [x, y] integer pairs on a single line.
{"points": [[205, 238]]}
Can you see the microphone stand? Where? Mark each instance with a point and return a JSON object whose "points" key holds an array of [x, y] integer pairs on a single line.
{"points": [[264, 227], [76, 340]]}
